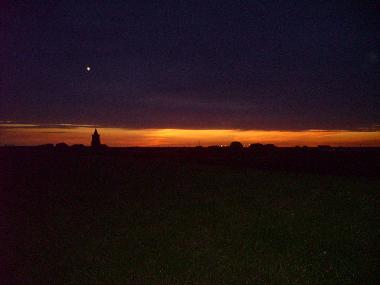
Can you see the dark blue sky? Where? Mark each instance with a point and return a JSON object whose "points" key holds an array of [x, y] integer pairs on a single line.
{"points": [[192, 64]]}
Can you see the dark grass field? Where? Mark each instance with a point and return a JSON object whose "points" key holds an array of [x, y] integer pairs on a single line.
{"points": [[124, 219]]}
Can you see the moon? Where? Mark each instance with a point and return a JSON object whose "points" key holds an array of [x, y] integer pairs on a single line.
{"points": [[88, 68]]}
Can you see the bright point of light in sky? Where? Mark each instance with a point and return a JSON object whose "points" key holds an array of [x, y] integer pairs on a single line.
{"points": [[88, 68]]}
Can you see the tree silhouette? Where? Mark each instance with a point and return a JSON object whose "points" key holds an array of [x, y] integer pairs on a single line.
{"points": [[236, 146]]}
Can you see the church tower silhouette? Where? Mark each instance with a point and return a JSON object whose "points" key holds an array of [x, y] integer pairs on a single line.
{"points": [[95, 142]]}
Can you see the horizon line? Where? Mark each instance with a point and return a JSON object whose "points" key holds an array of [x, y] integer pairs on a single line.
{"points": [[33, 134]]}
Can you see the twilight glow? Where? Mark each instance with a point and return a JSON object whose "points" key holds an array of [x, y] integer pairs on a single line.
{"points": [[31, 134]]}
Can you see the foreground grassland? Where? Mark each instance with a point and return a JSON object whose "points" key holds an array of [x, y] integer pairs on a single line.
{"points": [[113, 220]]}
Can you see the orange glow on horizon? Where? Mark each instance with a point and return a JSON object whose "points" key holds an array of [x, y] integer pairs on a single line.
{"points": [[27, 134]]}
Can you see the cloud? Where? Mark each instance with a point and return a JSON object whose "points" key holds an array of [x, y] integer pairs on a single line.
{"points": [[67, 126], [15, 125]]}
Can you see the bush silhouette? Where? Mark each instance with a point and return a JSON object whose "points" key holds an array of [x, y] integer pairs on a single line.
{"points": [[236, 146], [61, 145]]}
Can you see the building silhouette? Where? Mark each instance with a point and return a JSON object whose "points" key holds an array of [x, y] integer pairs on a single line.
{"points": [[95, 142]]}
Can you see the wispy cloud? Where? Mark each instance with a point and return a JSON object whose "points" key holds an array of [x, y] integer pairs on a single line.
{"points": [[15, 125], [23, 125]]}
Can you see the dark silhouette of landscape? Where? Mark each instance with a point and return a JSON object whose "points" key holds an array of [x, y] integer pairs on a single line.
{"points": [[257, 214], [323, 159]]}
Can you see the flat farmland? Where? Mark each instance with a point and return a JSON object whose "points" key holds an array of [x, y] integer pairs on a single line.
{"points": [[69, 218]]}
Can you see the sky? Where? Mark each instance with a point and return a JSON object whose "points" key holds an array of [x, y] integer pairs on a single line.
{"points": [[226, 67]]}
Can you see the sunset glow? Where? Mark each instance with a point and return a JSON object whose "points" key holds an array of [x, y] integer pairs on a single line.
{"points": [[29, 134]]}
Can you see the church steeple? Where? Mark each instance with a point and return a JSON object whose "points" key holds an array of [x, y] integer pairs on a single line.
{"points": [[95, 142]]}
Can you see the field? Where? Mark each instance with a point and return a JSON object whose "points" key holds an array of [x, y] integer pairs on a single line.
{"points": [[124, 219]]}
